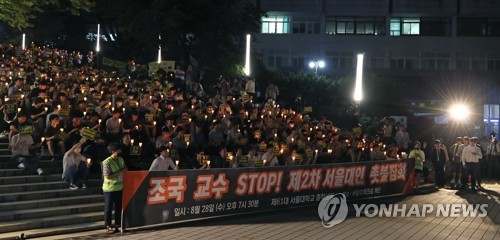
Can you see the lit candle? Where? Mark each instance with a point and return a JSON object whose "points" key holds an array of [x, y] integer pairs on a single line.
{"points": [[208, 162], [308, 139], [206, 117], [123, 109], [293, 158], [18, 109], [112, 109], [264, 162], [85, 99], [46, 109], [132, 141], [293, 139], [177, 162], [154, 123], [187, 144], [140, 144], [58, 107], [189, 119], [119, 120], [43, 139], [329, 151], [46, 100], [88, 160], [62, 129], [6, 99], [100, 120]]}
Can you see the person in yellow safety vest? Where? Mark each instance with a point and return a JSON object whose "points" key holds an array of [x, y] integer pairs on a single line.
{"points": [[419, 156], [113, 169]]}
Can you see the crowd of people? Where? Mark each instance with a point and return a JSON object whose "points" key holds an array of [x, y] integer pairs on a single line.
{"points": [[59, 103]]}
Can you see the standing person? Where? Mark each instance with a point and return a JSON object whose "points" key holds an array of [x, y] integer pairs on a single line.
{"points": [[272, 91], [438, 158], [402, 139], [163, 162], [419, 156], [75, 168], [465, 143], [113, 169], [455, 163], [250, 87], [470, 160]]}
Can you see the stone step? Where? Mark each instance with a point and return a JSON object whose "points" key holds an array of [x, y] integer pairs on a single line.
{"points": [[44, 194], [51, 202], [43, 164], [29, 179], [8, 158], [12, 172], [57, 232], [26, 187], [69, 210], [23, 226]]}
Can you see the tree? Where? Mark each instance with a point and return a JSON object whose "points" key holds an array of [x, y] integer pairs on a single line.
{"points": [[211, 31], [21, 13]]}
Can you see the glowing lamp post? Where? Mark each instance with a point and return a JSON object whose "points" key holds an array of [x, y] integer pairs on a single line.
{"points": [[316, 64], [247, 56], [358, 90], [159, 49], [24, 41], [98, 45]]}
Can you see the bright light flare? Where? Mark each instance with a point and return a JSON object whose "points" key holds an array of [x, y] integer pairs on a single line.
{"points": [[24, 41], [358, 90], [247, 56], [459, 112], [312, 64], [321, 64], [98, 45], [159, 49]]}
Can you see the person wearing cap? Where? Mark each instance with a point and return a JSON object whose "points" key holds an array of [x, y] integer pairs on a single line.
{"points": [[455, 163], [163, 162], [438, 158], [419, 156], [470, 161], [113, 169]]}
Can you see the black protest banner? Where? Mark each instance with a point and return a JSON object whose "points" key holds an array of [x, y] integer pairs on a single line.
{"points": [[170, 196]]}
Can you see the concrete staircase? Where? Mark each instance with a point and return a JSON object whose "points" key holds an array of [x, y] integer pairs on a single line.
{"points": [[41, 206]]}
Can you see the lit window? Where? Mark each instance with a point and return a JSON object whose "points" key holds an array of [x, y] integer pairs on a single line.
{"points": [[276, 24]]}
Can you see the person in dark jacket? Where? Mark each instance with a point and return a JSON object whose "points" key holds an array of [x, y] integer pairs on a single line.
{"points": [[438, 158]]}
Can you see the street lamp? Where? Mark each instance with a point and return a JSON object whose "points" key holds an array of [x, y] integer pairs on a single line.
{"points": [[316, 64], [358, 88]]}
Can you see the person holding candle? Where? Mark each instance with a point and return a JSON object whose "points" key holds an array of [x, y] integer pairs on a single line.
{"points": [[51, 136], [20, 145], [75, 166], [114, 126], [163, 162]]}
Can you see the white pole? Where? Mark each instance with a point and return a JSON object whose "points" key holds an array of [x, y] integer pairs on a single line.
{"points": [[159, 50], [358, 90], [98, 47], [24, 41], [247, 57]]}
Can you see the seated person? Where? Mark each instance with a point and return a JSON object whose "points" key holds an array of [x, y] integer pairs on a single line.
{"points": [[75, 166], [21, 144], [53, 137], [20, 120]]}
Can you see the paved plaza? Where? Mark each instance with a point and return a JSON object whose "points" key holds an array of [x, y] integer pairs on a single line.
{"points": [[303, 223]]}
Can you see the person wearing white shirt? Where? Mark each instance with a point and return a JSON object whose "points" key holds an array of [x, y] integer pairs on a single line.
{"points": [[163, 162], [470, 159], [269, 158]]}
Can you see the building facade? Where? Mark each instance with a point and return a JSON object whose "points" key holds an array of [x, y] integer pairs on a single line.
{"points": [[447, 41]]}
